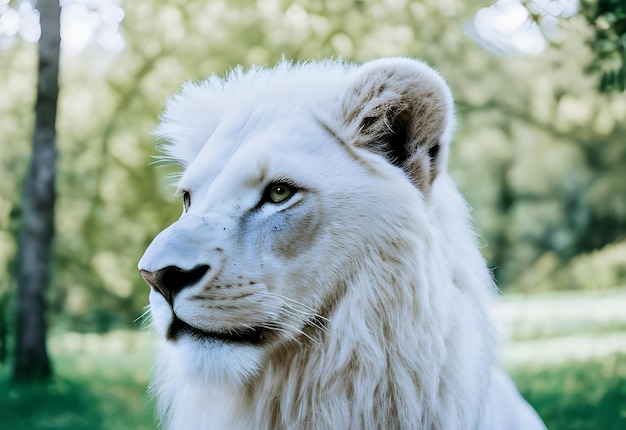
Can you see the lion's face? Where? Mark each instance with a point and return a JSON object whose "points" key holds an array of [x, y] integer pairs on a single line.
{"points": [[265, 230], [280, 206]]}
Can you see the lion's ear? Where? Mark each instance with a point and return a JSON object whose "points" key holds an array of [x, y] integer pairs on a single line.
{"points": [[403, 109]]}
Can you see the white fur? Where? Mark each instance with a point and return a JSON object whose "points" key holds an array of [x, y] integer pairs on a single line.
{"points": [[370, 273]]}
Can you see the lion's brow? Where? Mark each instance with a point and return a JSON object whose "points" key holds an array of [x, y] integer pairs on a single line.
{"points": [[330, 131], [344, 144]]}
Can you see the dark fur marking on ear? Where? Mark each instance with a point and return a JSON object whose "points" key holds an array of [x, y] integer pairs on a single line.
{"points": [[433, 151], [397, 139]]}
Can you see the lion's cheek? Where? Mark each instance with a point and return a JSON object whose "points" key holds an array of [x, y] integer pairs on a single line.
{"points": [[294, 236], [290, 234]]}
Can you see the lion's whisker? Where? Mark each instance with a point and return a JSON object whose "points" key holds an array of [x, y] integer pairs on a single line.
{"points": [[307, 310], [310, 319], [301, 332], [276, 328], [145, 318], [289, 299]]}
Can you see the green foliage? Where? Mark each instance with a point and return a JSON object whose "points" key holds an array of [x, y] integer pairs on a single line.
{"points": [[538, 152], [607, 18], [606, 21], [602, 269], [567, 354], [578, 395], [100, 384]]}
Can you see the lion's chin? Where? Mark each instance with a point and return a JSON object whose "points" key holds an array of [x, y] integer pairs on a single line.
{"points": [[209, 359]]}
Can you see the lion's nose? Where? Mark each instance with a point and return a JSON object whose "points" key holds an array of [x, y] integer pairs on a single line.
{"points": [[172, 279]]}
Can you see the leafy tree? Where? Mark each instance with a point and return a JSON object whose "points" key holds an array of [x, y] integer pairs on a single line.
{"points": [[607, 18], [607, 21], [538, 151]]}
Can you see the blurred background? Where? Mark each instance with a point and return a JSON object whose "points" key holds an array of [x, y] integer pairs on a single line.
{"points": [[540, 153]]}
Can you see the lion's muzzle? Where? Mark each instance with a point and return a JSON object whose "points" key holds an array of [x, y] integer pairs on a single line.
{"points": [[181, 255], [197, 292]]}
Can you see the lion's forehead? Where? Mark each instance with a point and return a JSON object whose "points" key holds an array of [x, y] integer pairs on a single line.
{"points": [[236, 164]]}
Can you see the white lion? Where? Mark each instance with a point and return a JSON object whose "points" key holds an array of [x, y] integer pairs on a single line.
{"points": [[324, 273]]}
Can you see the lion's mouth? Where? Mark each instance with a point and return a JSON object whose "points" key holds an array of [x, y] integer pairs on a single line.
{"points": [[241, 335]]}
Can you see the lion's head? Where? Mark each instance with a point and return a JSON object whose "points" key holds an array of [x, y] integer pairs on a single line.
{"points": [[322, 270], [285, 192]]}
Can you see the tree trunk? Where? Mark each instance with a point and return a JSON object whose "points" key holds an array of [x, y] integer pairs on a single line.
{"points": [[37, 230]]}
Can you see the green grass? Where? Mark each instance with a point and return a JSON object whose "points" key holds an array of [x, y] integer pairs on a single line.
{"points": [[97, 385], [578, 395], [567, 354]]}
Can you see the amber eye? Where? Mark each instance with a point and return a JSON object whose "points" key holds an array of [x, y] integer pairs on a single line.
{"points": [[186, 200], [278, 193]]}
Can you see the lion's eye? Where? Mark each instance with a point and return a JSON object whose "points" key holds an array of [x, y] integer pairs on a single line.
{"points": [[186, 200], [278, 193]]}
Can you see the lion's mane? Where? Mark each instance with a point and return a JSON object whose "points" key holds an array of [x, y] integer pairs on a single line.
{"points": [[402, 338]]}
